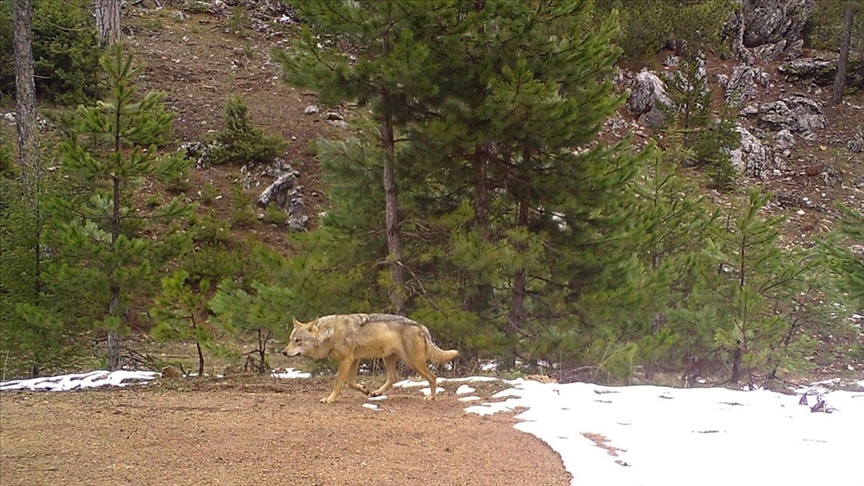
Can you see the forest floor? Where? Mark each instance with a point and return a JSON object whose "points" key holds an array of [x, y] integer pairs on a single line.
{"points": [[248, 430]]}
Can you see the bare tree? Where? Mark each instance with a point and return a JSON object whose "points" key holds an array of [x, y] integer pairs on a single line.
{"points": [[25, 96], [108, 20], [843, 60], [28, 143]]}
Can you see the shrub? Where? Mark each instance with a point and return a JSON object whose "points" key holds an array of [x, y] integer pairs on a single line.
{"points": [[241, 142]]}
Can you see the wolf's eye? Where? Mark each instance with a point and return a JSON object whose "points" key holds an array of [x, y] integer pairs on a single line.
{"points": [[297, 340]]}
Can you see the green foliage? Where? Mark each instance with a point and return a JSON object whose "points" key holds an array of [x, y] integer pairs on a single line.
{"points": [[181, 315], [824, 26], [748, 296], [519, 91], [647, 26], [274, 215], [238, 22], [707, 141], [208, 193], [66, 50], [242, 208], [258, 315], [100, 237], [847, 265], [210, 229], [241, 142], [8, 167]]}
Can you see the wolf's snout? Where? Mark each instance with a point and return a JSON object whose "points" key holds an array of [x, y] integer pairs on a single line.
{"points": [[284, 353]]}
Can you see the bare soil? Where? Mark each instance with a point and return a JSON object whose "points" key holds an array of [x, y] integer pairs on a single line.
{"points": [[263, 432]]}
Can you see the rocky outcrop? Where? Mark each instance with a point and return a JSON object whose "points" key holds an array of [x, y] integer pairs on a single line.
{"points": [[768, 29], [797, 114], [751, 158], [822, 70], [773, 22], [743, 85], [856, 143], [284, 192], [647, 97]]}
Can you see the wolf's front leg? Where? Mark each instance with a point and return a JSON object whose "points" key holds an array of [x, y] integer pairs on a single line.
{"points": [[344, 370], [352, 378]]}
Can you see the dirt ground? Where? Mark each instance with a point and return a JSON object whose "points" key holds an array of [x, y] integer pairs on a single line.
{"points": [[265, 433]]}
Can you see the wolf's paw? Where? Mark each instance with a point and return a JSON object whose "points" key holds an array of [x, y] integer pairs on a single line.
{"points": [[327, 400], [365, 390], [429, 397]]}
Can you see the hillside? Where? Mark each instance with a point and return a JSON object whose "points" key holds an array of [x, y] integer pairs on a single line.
{"points": [[203, 54]]}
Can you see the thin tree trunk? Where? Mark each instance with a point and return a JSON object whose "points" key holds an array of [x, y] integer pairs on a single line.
{"points": [[28, 143], [25, 97], [114, 303], [480, 301], [391, 204], [520, 279], [843, 60], [108, 20], [391, 217]]}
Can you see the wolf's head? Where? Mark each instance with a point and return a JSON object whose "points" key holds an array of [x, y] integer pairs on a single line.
{"points": [[309, 340]]}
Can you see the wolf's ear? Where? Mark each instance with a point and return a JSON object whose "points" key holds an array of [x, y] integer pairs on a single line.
{"points": [[297, 323]]}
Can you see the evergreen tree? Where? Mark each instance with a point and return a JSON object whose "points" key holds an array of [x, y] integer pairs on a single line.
{"points": [[388, 69], [707, 139], [181, 314], [847, 265], [103, 239], [749, 294]]}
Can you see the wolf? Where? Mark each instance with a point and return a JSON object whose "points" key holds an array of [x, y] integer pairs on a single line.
{"points": [[351, 337]]}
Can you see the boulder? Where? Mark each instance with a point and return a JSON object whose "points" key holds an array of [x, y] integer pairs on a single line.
{"points": [[797, 114], [774, 21], [647, 95], [751, 158], [743, 85]]}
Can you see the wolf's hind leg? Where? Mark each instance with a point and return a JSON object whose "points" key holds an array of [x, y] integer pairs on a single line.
{"points": [[418, 363], [390, 365], [352, 378], [345, 367]]}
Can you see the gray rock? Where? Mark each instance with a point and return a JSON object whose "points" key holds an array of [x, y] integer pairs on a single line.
{"points": [[772, 21], [287, 195], [784, 140], [797, 114], [743, 84], [751, 158], [647, 90]]}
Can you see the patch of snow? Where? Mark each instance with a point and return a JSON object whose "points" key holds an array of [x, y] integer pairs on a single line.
{"points": [[663, 436], [464, 389], [371, 406], [471, 398], [78, 381], [290, 373]]}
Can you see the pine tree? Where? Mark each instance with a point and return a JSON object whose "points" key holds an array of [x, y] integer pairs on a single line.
{"points": [[707, 139], [388, 70], [848, 265], [749, 294], [102, 237], [181, 314]]}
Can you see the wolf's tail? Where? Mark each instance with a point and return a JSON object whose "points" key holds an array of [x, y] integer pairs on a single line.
{"points": [[436, 354]]}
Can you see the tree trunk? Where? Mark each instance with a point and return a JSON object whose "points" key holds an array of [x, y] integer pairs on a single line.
{"points": [[391, 203], [28, 143], [843, 60], [480, 302], [108, 20], [520, 279], [114, 303], [391, 217], [25, 97]]}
